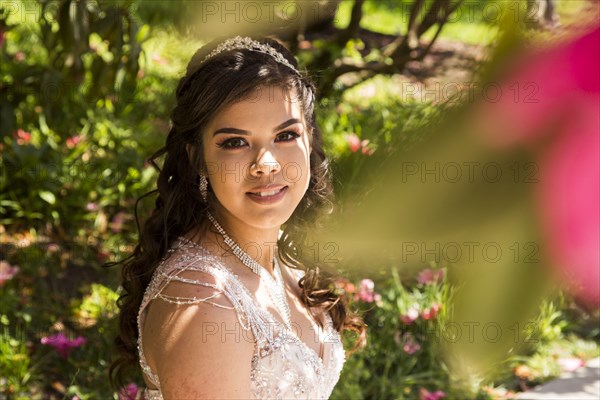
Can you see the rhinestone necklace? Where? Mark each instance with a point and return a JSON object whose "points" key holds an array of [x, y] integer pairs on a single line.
{"points": [[275, 287]]}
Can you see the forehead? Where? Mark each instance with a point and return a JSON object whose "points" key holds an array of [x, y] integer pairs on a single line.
{"points": [[265, 106]]}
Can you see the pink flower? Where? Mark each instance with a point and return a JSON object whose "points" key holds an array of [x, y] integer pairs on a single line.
{"points": [[425, 394], [20, 56], [305, 45], [73, 141], [7, 271], [559, 118], [366, 292], [570, 364], [409, 343], [429, 275], [62, 344], [377, 299], [117, 222], [569, 195], [91, 206], [345, 285], [158, 59], [431, 312], [366, 149], [129, 392], [411, 315], [353, 142], [103, 256], [22, 137]]}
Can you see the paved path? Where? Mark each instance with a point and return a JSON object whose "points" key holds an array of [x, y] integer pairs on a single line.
{"points": [[581, 384]]}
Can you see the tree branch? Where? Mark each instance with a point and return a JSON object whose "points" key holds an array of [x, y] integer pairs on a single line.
{"points": [[354, 24]]}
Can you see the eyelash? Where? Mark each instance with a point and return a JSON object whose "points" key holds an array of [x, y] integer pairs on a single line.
{"points": [[226, 144]]}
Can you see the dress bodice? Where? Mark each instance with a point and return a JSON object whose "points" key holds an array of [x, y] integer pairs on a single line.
{"points": [[282, 366]]}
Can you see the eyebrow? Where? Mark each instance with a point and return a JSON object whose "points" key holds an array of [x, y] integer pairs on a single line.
{"points": [[236, 131]]}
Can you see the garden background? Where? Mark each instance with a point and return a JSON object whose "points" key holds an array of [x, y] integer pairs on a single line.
{"points": [[86, 92]]}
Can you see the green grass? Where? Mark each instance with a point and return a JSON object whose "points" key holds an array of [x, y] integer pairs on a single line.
{"points": [[168, 52]]}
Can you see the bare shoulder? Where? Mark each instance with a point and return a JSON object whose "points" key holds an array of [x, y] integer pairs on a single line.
{"points": [[198, 350]]}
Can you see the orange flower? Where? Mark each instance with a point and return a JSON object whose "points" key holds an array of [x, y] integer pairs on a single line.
{"points": [[522, 372]]}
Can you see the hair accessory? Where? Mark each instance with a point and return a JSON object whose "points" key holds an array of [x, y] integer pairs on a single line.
{"points": [[247, 43]]}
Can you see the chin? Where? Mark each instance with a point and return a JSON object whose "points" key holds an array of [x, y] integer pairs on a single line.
{"points": [[270, 219]]}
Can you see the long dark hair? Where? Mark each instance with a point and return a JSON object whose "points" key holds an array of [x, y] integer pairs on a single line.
{"points": [[179, 208]]}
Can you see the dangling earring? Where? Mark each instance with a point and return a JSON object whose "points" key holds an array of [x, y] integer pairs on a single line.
{"points": [[203, 186]]}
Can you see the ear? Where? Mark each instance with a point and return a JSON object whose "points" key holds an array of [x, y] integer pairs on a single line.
{"points": [[190, 151]]}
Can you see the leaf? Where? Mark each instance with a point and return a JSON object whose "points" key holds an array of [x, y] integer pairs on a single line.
{"points": [[48, 197], [142, 34]]}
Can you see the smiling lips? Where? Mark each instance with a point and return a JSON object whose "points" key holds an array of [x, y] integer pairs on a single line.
{"points": [[267, 194]]}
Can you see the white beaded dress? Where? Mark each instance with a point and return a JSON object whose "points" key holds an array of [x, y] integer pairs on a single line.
{"points": [[282, 366]]}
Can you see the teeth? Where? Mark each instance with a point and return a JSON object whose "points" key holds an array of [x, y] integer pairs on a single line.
{"points": [[270, 193]]}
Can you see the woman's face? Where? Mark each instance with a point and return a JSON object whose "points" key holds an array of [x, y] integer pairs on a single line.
{"points": [[257, 157]]}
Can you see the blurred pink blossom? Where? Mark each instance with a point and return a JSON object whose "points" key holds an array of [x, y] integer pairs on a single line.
{"points": [[409, 343], [377, 299], [73, 141], [158, 59], [129, 392], [431, 312], [366, 149], [366, 292], [411, 315], [570, 364], [91, 206], [353, 141], [534, 100], [569, 195], [117, 222], [103, 256], [345, 285], [20, 56], [62, 344], [22, 137], [429, 275], [7, 271], [425, 394], [561, 123]]}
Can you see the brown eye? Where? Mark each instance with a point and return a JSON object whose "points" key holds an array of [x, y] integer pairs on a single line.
{"points": [[233, 143], [287, 136]]}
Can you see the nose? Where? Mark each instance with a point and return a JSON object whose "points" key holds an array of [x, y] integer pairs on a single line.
{"points": [[265, 163]]}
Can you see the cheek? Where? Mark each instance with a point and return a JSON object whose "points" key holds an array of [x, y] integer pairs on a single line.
{"points": [[298, 172]]}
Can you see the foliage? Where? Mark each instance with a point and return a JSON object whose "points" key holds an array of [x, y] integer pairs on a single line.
{"points": [[403, 356], [71, 86], [86, 94], [408, 324], [15, 363]]}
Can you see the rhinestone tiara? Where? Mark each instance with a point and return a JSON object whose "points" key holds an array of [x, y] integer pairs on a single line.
{"points": [[247, 43]]}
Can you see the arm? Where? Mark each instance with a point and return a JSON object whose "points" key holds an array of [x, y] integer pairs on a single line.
{"points": [[200, 350]]}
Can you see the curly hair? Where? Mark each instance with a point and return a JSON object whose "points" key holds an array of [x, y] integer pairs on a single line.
{"points": [[206, 89]]}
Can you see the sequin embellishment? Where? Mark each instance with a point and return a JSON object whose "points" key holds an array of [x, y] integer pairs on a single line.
{"points": [[283, 366]]}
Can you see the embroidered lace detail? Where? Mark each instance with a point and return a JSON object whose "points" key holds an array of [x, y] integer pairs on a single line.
{"points": [[282, 366]]}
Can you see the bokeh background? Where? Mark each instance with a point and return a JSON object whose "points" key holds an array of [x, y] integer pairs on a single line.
{"points": [[463, 137]]}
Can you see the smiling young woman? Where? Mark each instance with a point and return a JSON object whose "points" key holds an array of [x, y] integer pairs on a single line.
{"points": [[218, 299]]}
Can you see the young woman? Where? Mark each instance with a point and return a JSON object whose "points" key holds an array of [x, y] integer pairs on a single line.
{"points": [[220, 300]]}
